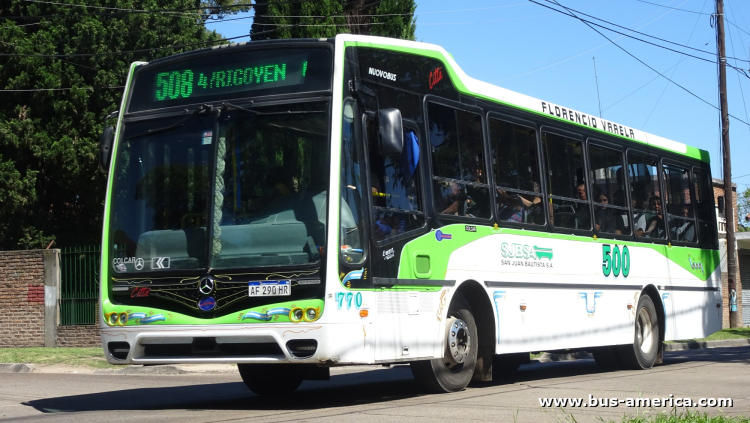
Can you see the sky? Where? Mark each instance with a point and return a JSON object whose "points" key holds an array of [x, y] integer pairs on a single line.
{"points": [[530, 49]]}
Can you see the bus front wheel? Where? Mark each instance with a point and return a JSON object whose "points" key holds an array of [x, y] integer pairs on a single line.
{"points": [[271, 379], [645, 348], [454, 370]]}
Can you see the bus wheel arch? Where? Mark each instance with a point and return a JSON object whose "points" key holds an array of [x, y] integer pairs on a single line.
{"points": [[484, 316], [653, 292], [648, 325]]}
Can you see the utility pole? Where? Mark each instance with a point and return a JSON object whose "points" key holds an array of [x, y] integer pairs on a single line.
{"points": [[728, 194]]}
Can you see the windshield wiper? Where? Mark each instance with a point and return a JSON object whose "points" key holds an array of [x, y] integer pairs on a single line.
{"points": [[256, 112], [181, 122]]}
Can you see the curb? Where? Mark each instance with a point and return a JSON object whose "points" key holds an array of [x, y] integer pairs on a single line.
{"points": [[694, 345], [671, 346], [16, 368]]}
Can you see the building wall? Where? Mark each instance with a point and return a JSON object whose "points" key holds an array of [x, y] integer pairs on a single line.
{"points": [[22, 303], [21, 298], [78, 336], [719, 190]]}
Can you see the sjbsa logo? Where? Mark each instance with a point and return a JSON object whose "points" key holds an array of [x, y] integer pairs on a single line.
{"points": [[140, 292]]}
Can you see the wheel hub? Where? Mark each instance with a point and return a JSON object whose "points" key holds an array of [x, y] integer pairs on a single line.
{"points": [[458, 342]]}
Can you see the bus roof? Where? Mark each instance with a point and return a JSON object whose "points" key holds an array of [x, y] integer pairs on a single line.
{"points": [[483, 90]]}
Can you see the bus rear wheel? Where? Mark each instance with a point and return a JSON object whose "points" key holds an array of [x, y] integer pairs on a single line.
{"points": [[452, 372], [642, 353], [271, 379]]}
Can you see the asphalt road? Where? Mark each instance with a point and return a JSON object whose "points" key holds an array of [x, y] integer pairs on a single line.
{"points": [[377, 394]]}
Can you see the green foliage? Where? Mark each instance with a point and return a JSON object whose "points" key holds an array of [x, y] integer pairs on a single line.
{"points": [[49, 184], [743, 206], [280, 19]]}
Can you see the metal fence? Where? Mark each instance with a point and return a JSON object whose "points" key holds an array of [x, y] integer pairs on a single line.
{"points": [[79, 284]]}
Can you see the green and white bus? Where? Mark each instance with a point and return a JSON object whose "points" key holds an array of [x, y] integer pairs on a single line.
{"points": [[296, 205]]}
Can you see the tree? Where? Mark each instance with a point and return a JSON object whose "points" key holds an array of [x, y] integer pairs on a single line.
{"points": [[276, 19], [50, 188], [743, 211]]}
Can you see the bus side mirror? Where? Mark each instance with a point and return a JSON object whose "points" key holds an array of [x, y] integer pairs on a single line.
{"points": [[105, 148], [391, 132], [721, 204]]}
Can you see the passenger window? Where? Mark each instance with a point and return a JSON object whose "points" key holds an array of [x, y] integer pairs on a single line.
{"points": [[395, 186], [566, 179], [648, 220], [611, 213], [704, 209], [515, 164], [459, 173], [681, 215]]}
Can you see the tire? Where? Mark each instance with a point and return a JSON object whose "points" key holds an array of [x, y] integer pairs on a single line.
{"points": [[643, 352], [271, 379], [606, 357], [446, 374]]}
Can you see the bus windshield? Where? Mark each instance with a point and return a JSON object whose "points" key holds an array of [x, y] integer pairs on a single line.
{"points": [[252, 194]]}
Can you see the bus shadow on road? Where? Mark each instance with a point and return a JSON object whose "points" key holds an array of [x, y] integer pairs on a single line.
{"points": [[361, 388], [366, 387]]}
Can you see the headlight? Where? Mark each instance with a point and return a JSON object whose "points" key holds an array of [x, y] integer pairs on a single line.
{"points": [[296, 314], [311, 314]]}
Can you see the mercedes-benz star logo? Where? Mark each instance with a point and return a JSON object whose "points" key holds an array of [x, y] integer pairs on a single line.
{"points": [[206, 285]]}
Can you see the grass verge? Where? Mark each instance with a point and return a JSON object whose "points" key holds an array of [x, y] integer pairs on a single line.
{"points": [[733, 333], [687, 416], [88, 357]]}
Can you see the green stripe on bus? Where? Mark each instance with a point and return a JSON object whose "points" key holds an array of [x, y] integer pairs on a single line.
{"points": [[680, 256], [691, 152]]}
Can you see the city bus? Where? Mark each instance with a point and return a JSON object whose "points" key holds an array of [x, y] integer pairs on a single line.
{"points": [[296, 205]]}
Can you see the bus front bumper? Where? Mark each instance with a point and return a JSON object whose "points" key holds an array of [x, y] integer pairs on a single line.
{"points": [[320, 343]]}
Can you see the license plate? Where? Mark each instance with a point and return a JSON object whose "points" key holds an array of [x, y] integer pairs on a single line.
{"points": [[269, 288]]}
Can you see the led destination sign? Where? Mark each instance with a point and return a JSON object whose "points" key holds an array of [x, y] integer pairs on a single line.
{"points": [[231, 74], [188, 82]]}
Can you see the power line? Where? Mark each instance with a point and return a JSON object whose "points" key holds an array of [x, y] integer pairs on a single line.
{"points": [[690, 11], [587, 22], [110, 53], [673, 72], [739, 81], [637, 32], [673, 8], [58, 89], [576, 55], [639, 60], [137, 11], [103, 7]]}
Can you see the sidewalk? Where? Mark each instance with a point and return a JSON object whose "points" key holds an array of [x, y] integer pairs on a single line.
{"points": [[668, 346], [181, 369]]}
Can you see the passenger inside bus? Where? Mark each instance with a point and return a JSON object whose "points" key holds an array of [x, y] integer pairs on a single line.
{"points": [[582, 218], [655, 226], [519, 208], [605, 218], [683, 229]]}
